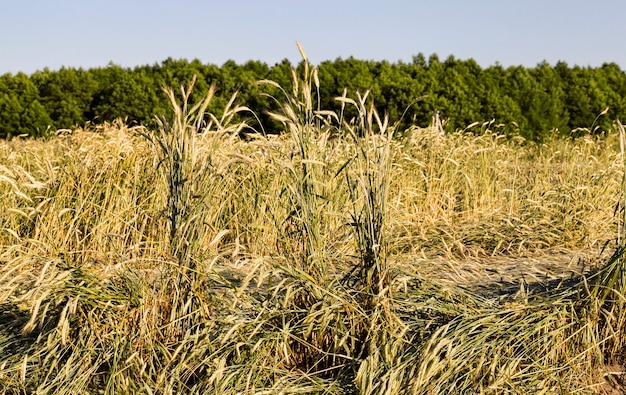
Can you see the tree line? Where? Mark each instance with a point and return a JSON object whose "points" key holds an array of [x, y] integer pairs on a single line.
{"points": [[534, 102]]}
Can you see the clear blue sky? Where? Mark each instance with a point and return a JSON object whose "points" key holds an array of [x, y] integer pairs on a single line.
{"points": [[91, 33]]}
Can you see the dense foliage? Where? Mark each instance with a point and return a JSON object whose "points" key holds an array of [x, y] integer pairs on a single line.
{"points": [[533, 102]]}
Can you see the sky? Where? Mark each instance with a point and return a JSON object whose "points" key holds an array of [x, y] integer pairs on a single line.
{"points": [[93, 33]]}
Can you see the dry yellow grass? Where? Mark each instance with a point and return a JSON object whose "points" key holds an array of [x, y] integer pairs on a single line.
{"points": [[296, 263], [95, 193]]}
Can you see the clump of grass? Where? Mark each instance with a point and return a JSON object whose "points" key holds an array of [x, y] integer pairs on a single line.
{"points": [[305, 171], [317, 326], [185, 171], [125, 330], [368, 185]]}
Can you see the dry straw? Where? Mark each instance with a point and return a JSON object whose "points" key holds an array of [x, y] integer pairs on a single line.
{"points": [[187, 260]]}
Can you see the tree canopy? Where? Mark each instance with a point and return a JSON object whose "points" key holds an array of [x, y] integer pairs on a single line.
{"points": [[534, 102]]}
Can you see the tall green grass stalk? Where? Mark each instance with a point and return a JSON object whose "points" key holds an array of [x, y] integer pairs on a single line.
{"points": [[306, 170], [368, 175], [186, 147], [183, 170]]}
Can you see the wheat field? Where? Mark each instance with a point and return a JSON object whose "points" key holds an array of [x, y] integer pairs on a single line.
{"points": [[339, 257]]}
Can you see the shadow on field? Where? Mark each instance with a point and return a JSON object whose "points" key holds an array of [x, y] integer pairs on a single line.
{"points": [[13, 319]]}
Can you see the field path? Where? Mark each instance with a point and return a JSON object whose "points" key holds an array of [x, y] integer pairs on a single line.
{"points": [[501, 275]]}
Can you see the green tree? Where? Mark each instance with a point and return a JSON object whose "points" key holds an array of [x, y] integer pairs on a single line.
{"points": [[398, 92], [124, 94], [539, 96], [496, 103], [66, 95], [20, 109], [611, 81], [551, 114], [421, 88]]}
